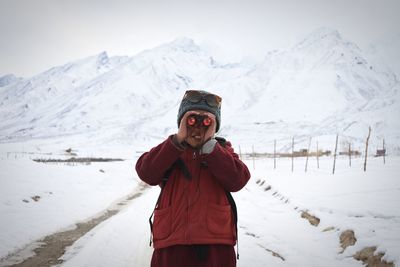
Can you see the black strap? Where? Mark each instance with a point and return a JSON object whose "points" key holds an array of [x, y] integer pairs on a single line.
{"points": [[232, 202], [221, 141], [151, 217], [182, 166]]}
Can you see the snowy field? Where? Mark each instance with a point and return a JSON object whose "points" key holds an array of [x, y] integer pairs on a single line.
{"points": [[38, 199]]}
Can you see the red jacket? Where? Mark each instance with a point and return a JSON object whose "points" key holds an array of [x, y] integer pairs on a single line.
{"points": [[196, 210]]}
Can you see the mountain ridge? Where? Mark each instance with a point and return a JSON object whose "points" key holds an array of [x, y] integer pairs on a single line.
{"points": [[320, 86]]}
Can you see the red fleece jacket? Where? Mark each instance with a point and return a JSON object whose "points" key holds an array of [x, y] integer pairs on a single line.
{"points": [[195, 210]]}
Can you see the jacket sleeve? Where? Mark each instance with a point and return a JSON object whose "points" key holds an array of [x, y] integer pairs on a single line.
{"points": [[152, 165], [227, 168]]}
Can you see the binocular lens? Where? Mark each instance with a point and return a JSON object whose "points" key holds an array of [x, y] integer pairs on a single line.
{"points": [[191, 121], [207, 121]]}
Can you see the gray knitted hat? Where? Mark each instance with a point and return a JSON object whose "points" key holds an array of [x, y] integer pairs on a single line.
{"points": [[187, 105]]}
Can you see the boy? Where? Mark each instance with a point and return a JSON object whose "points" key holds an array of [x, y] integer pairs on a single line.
{"points": [[194, 219]]}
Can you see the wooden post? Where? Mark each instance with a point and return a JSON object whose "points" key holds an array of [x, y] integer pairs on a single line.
{"points": [[317, 156], [240, 153], [366, 148], [254, 155], [384, 149], [308, 153], [350, 154], [334, 155], [292, 152], [274, 154]]}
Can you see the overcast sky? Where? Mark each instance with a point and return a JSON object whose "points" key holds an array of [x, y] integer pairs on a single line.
{"points": [[39, 34]]}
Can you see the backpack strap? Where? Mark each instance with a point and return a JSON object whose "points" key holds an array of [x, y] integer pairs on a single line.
{"points": [[232, 202], [222, 141], [151, 217]]}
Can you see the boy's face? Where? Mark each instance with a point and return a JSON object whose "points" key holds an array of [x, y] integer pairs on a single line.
{"points": [[196, 133]]}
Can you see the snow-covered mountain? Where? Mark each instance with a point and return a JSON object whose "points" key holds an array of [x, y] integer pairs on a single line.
{"points": [[321, 86], [385, 53], [8, 79]]}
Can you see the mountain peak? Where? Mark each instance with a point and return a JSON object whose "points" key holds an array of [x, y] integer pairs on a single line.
{"points": [[324, 32], [8, 79], [102, 58], [328, 36], [184, 44], [183, 41]]}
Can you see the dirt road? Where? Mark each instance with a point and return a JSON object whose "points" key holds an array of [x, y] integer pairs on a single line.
{"points": [[47, 251]]}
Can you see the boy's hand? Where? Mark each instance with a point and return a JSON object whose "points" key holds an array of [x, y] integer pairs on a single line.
{"points": [[211, 129]]}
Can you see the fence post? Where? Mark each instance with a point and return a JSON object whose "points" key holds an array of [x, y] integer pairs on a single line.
{"points": [[308, 153], [292, 152], [366, 148], [240, 153], [350, 154], [384, 151], [317, 156], [254, 155], [334, 155], [274, 154]]}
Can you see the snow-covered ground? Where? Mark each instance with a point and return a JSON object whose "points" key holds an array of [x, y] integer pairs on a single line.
{"points": [[64, 196], [270, 222]]}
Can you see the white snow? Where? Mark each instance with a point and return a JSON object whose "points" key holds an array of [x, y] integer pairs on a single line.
{"points": [[68, 194], [366, 202]]}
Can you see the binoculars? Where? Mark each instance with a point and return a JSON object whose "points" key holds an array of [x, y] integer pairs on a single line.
{"points": [[201, 120]]}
